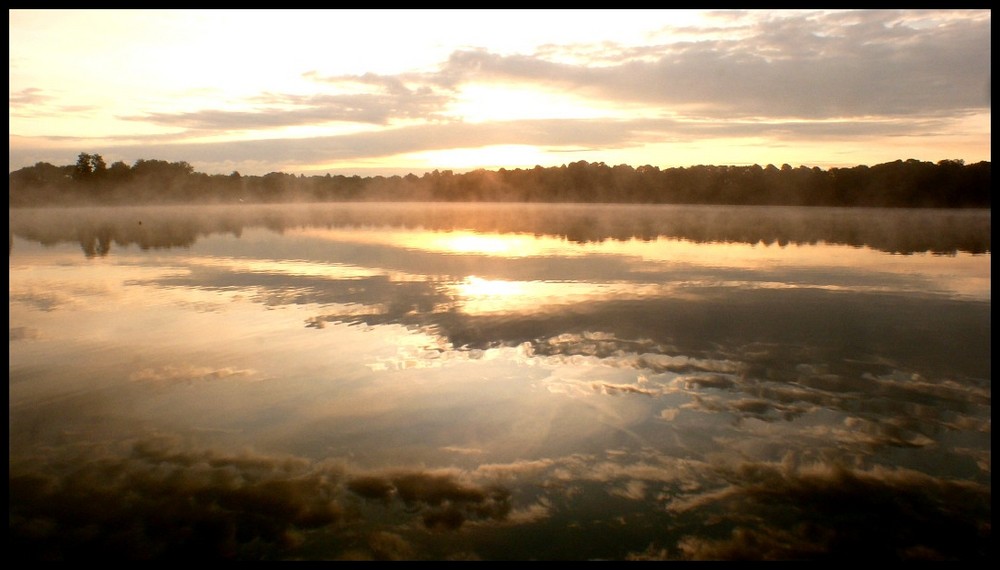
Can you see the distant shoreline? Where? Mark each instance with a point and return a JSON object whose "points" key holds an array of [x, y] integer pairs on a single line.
{"points": [[899, 184]]}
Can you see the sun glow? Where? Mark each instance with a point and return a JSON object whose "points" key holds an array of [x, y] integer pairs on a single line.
{"points": [[477, 296], [479, 103], [491, 157], [474, 287], [457, 242], [474, 243]]}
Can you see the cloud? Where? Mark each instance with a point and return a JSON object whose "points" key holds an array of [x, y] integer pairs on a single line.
{"points": [[787, 76], [36, 102], [792, 65], [874, 433], [27, 97], [577, 134], [24, 333], [382, 545], [757, 408], [616, 389], [634, 490], [445, 502], [516, 469], [43, 300], [188, 374], [916, 388], [161, 500], [366, 99], [768, 382], [705, 381], [528, 515], [285, 110], [878, 514], [158, 498], [645, 466]]}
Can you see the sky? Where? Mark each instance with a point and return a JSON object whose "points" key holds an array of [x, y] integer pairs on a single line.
{"points": [[391, 91]]}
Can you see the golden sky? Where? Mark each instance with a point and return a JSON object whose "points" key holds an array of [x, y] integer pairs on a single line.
{"points": [[395, 91]]}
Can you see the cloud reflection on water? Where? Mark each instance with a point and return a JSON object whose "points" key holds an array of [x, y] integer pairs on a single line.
{"points": [[160, 499], [336, 391]]}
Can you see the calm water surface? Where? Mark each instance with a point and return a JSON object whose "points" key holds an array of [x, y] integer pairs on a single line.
{"points": [[428, 381]]}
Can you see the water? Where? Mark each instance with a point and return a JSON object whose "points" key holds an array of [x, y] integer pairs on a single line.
{"points": [[429, 381]]}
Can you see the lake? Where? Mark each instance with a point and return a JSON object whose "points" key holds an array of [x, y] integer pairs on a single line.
{"points": [[499, 382]]}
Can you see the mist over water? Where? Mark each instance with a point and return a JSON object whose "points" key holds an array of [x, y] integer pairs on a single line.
{"points": [[893, 230], [487, 381]]}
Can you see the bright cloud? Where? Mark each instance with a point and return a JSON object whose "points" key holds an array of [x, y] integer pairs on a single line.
{"points": [[272, 90]]}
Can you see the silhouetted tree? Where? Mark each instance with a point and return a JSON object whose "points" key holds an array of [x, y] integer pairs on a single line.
{"points": [[910, 183], [87, 166]]}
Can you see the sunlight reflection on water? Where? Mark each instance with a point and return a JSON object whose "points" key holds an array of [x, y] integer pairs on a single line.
{"points": [[507, 382]]}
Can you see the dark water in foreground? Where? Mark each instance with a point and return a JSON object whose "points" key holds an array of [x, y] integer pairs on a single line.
{"points": [[511, 382]]}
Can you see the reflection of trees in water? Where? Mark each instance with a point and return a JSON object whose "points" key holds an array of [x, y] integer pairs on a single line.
{"points": [[890, 230]]}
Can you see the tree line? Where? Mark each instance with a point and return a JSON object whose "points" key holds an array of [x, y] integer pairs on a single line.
{"points": [[909, 183]]}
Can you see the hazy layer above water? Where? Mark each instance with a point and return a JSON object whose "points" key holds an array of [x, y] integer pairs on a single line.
{"points": [[891, 230]]}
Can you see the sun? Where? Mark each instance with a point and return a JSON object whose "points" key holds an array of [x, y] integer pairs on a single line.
{"points": [[504, 107], [488, 102]]}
